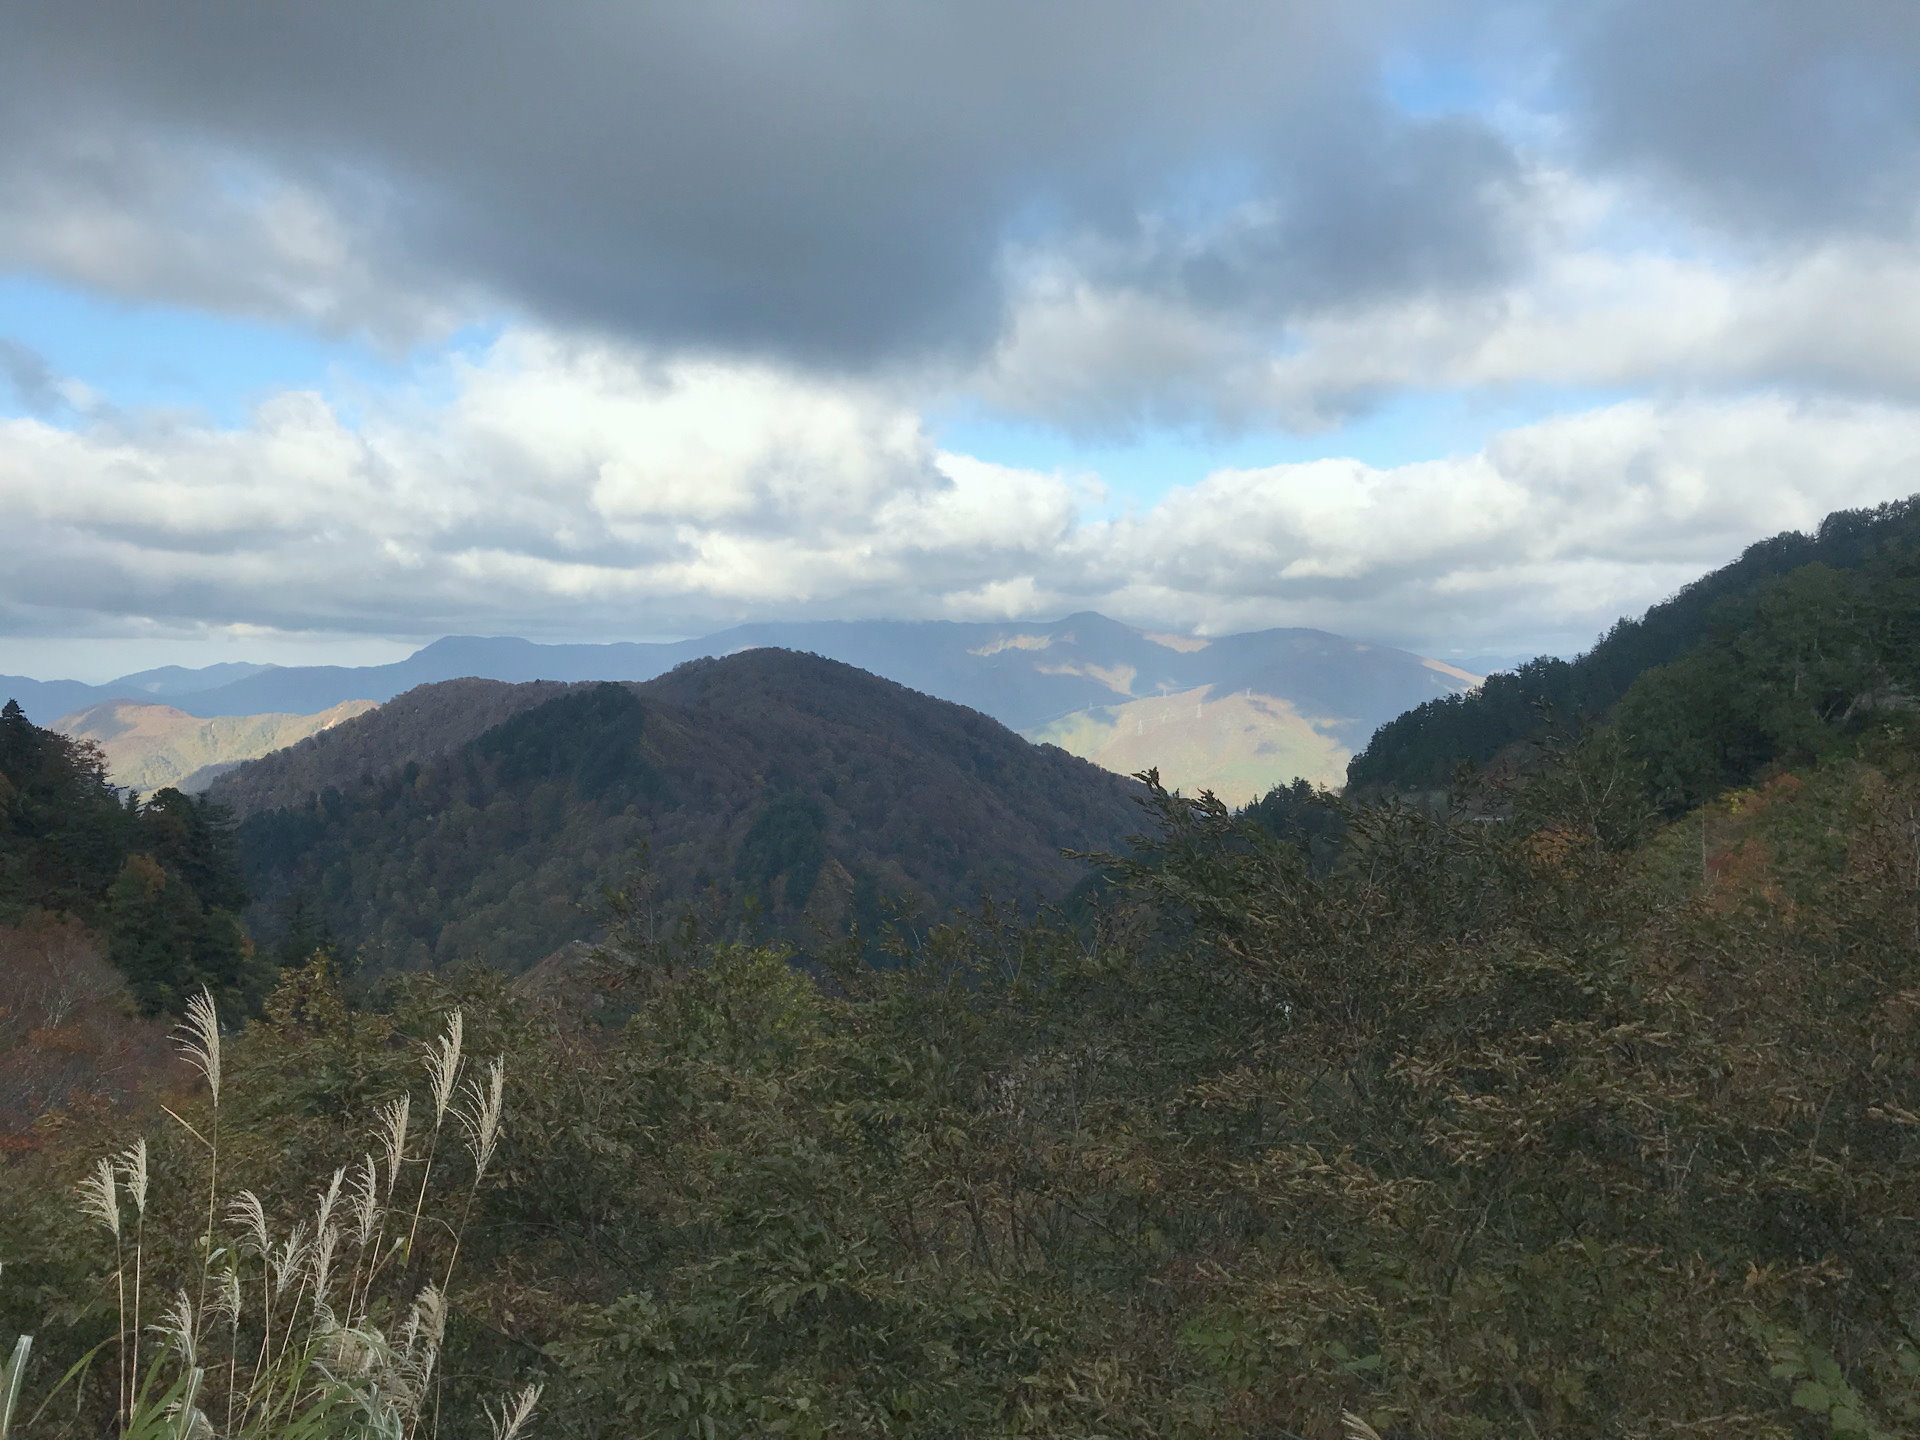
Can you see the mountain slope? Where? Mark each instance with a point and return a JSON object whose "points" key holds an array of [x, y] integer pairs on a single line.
{"points": [[148, 747], [825, 793], [1319, 695], [1422, 749]]}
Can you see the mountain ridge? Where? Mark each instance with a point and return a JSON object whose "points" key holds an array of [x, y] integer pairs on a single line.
{"points": [[826, 793], [1033, 676]]}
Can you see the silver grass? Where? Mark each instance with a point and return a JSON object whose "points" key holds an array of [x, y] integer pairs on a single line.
{"points": [[481, 1118], [100, 1196], [246, 1211], [133, 1172], [509, 1419], [364, 1195], [329, 1198], [288, 1259], [226, 1299], [443, 1065], [176, 1327], [200, 1039], [321, 1260], [1356, 1428], [394, 1116]]}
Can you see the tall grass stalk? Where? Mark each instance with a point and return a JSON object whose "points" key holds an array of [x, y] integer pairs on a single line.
{"points": [[100, 1198], [443, 1073], [200, 1043], [311, 1347]]}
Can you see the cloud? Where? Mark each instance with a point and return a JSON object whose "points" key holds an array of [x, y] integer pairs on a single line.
{"points": [[1781, 122], [27, 374], [572, 487], [835, 182], [1539, 541], [1833, 318], [567, 484]]}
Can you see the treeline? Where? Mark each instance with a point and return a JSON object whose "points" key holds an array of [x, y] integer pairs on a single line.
{"points": [[1424, 749], [1548, 1123], [158, 877]]}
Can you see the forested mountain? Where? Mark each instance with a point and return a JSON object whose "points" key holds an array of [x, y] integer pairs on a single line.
{"points": [[1834, 631], [159, 878], [149, 747], [1234, 713], [1550, 1122], [825, 794]]}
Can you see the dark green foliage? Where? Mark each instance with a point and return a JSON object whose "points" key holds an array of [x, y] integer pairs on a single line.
{"points": [[823, 795], [587, 740], [64, 832], [1425, 748], [786, 840], [1787, 675], [1299, 814], [160, 878]]}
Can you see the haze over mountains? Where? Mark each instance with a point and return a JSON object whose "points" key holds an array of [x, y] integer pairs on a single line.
{"points": [[1236, 713]]}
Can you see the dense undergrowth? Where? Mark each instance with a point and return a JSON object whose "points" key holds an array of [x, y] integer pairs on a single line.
{"points": [[1545, 1119]]}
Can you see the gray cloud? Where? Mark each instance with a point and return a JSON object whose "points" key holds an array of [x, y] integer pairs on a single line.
{"points": [[833, 181], [1776, 116], [26, 372]]}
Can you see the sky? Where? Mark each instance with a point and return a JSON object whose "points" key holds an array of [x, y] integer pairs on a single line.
{"points": [[330, 328]]}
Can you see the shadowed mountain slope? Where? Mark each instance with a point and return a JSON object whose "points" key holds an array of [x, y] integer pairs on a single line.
{"points": [[825, 793]]}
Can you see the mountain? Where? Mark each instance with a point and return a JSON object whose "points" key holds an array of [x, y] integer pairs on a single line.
{"points": [[149, 747], [42, 701], [1254, 710], [825, 793], [1878, 548]]}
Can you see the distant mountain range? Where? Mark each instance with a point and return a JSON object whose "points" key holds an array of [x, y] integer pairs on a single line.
{"points": [[475, 819], [1235, 713]]}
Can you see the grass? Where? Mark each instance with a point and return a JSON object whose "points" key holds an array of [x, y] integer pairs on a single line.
{"points": [[319, 1328]]}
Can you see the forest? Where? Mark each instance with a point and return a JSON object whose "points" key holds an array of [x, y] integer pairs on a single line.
{"points": [[1425, 748], [815, 793], [1577, 1095]]}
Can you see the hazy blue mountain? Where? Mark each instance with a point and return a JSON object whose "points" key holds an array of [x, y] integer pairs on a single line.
{"points": [[170, 681], [1258, 708], [46, 700]]}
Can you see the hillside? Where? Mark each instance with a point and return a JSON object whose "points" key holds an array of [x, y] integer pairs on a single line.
{"points": [[418, 726], [1474, 1126], [1422, 749], [826, 794], [151, 746], [1315, 697], [154, 880]]}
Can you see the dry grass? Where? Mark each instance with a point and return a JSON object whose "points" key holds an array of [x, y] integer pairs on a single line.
{"points": [[318, 1328]]}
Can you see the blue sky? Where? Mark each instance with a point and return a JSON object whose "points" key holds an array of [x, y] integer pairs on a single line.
{"points": [[1450, 325]]}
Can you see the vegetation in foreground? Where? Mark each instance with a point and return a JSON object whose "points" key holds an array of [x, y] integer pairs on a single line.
{"points": [[1563, 1123]]}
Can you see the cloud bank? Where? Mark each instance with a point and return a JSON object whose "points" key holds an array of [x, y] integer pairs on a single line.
{"points": [[572, 486]]}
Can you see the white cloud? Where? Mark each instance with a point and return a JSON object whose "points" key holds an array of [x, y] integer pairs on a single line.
{"points": [[574, 488], [566, 484], [1542, 539]]}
